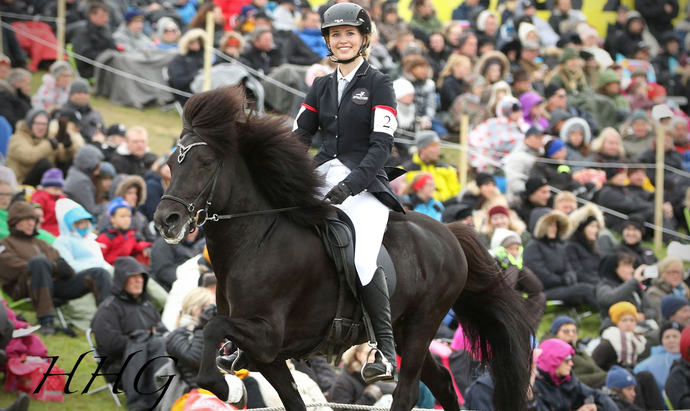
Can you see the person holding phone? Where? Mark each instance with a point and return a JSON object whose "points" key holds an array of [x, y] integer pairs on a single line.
{"points": [[621, 282]]}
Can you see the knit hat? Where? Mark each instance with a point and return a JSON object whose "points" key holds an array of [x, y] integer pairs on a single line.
{"points": [[618, 310], [640, 114], [80, 86], [115, 203], [116, 129], [608, 76], [671, 303], [612, 172], [559, 322], [107, 170], [421, 181], [553, 147], [533, 184], [402, 87], [671, 325], [59, 68], [619, 378], [656, 90], [557, 116], [53, 178], [551, 89], [483, 178], [426, 137], [132, 14], [635, 221], [568, 54], [661, 111], [499, 209], [534, 131], [456, 212], [32, 114]]}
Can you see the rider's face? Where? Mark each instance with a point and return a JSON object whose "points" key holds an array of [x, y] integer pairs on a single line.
{"points": [[345, 41]]}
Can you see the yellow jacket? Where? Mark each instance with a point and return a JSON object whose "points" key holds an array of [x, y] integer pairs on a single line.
{"points": [[445, 176]]}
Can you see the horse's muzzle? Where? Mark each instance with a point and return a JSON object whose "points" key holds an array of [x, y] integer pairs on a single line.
{"points": [[171, 227]]}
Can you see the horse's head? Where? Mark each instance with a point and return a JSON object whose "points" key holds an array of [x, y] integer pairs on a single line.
{"points": [[207, 141], [195, 170]]}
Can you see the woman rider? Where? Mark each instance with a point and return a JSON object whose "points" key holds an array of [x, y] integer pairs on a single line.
{"points": [[355, 109]]}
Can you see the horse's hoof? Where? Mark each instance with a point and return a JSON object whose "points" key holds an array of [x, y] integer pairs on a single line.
{"points": [[237, 393]]}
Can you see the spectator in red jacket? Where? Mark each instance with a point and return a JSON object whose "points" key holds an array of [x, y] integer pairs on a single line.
{"points": [[51, 191], [121, 239]]}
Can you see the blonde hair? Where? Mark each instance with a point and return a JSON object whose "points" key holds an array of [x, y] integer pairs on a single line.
{"points": [[350, 359], [668, 262], [194, 302], [598, 143], [453, 60], [564, 196], [368, 39]]}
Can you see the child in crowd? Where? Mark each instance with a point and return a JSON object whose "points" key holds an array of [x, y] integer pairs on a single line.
{"points": [[619, 343], [506, 247], [420, 196], [620, 386], [49, 193], [120, 239]]}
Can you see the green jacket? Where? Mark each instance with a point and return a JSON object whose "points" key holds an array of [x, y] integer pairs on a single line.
{"points": [[429, 25], [5, 230]]}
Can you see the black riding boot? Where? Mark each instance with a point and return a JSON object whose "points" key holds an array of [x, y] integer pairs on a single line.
{"points": [[375, 299], [229, 363]]}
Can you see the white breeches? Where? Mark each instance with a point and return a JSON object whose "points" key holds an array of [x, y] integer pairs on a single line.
{"points": [[368, 215]]}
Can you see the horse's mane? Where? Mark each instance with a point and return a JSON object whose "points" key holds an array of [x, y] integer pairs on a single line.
{"points": [[278, 162]]}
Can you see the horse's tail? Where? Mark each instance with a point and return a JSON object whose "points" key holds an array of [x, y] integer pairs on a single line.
{"points": [[496, 322]]}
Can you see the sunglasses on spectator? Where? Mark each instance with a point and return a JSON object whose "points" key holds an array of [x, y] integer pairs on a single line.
{"points": [[568, 358], [169, 30]]}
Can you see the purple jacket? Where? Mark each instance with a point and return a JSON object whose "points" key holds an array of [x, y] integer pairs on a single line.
{"points": [[529, 100]]}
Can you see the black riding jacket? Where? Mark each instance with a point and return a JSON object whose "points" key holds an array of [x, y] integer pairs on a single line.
{"points": [[367, 108]]}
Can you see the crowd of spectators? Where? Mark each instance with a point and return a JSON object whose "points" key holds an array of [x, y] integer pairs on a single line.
{"points": [[554, 106]]}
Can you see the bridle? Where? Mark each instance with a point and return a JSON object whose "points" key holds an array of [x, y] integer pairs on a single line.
{"points": [[191, 207]]}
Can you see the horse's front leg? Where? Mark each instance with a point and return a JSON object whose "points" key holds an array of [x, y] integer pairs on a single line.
{"points": [[278, 374], [256, 336]]}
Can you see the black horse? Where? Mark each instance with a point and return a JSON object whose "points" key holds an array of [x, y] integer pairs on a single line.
{"points": [[277, 290]]}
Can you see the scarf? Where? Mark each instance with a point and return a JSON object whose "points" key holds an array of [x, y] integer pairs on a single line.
{"points": [[571, 78], [679, 291], [627, 345]]}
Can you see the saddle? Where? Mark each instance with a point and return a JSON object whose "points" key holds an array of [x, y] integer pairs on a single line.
{"points": [[338, 237]]}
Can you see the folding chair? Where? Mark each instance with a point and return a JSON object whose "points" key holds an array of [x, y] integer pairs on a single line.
{"points": [[24, 304], [109, 385]]}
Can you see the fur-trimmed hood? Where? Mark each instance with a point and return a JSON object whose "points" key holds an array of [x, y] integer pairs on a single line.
{"points": [[553, 216], [132, 181], [480, 66], [581, 215], [183, 44], [569, 123]]}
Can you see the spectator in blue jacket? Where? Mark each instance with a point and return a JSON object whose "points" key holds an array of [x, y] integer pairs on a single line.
{"points": [[311, 33], [663, 356]]}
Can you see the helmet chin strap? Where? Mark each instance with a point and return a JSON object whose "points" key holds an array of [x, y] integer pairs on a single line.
{"points": [[350, 60]]}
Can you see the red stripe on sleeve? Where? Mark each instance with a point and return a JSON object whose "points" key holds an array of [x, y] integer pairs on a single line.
{"points": [[389, 108], [308, 107]]}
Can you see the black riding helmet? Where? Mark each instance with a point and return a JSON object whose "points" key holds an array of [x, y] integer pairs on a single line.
{"points": [[346, 14]]}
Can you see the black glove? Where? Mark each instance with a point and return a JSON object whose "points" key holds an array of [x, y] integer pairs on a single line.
{"points": [[63, 271], [53, 142], [62, 135], [570, 278], [339, 193]]}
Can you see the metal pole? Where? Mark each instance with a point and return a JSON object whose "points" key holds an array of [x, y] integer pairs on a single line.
{"points": [[208, 49], [61, 30], [464, 135], [659, 186], [2, 51]]}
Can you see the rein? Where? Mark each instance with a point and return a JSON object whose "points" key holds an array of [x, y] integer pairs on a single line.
{"points": [[194, 218]]}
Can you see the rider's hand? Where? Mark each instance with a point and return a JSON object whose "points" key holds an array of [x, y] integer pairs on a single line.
{"points": [[339, 193]]}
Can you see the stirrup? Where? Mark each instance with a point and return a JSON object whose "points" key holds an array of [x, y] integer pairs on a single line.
{"points": [[225, 363], [388, 375]]}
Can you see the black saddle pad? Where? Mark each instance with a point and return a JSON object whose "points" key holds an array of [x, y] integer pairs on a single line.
{"points": [[383, 260]]}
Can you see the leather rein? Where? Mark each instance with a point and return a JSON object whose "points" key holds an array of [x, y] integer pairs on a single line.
{"points": [[194, 219]]}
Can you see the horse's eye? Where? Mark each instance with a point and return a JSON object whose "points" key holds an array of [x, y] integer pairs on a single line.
{"points": [[207, 163]]}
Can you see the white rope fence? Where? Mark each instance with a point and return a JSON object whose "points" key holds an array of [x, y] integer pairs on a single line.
{"points": [[337, 405], [32, 17]]}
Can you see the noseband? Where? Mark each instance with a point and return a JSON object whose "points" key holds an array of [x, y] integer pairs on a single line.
{"points": [[194, 218]]}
